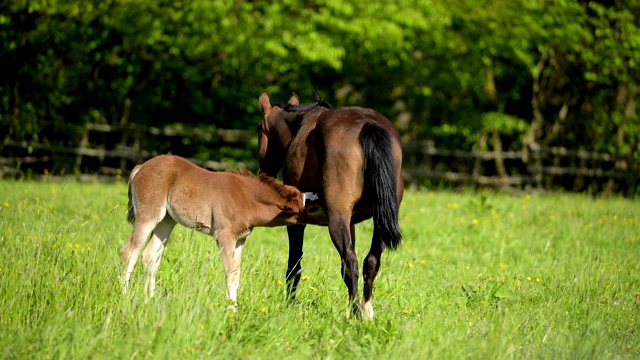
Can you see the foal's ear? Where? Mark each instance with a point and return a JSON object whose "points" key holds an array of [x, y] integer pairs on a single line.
{"points": [[265, 103], [294, 99], [285, 208]]}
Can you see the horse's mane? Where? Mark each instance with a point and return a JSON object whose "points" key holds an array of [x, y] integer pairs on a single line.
{"points": [[295, 113], [272, 182]]}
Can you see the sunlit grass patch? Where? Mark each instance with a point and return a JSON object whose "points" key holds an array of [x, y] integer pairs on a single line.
{"points": [[480, 275]]}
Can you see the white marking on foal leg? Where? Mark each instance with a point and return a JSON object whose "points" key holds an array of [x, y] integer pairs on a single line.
{"points": [[235, 282], [231, 254], [367, 310]]}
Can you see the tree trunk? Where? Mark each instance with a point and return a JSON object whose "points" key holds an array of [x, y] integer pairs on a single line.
{"points": [[530, 141]]}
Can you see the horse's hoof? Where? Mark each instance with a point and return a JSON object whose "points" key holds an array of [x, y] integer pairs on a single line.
{"points": [[366, 312]]}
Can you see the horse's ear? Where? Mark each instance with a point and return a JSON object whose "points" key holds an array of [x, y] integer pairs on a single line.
{"points": [[294, 99], [265, 103]]}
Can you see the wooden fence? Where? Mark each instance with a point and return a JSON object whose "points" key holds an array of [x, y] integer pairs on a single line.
{"points": [[117, 155], [542, 168], [424, 164]]}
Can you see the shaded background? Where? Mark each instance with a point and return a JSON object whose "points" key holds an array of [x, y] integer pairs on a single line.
{"points": [[461, 74]]}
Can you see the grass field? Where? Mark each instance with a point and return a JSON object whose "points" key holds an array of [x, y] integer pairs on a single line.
{"points": [[480, 276]]}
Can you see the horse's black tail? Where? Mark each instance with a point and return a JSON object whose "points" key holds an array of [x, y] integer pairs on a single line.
{"points": [[131, 214], [380, 178]]}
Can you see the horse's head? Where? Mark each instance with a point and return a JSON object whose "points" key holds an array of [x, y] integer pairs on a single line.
{"points": [[274, 135]]}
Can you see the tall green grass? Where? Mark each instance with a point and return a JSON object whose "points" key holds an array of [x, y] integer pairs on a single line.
{"points": [[480, 275]]}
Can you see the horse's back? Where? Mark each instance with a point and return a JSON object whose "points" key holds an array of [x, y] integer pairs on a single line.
{"points": [[342, 156], [345, 123], [340, 131]]}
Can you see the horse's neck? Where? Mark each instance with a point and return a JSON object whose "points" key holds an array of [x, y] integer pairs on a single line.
{"points": [[285, 133], [311, 118], [306, 123]]}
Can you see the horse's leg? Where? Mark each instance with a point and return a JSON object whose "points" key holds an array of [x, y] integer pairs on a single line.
{"points": [[231, 254], [340, 229], [294, 267], [153, 252], [370, 270], [130, 252]]}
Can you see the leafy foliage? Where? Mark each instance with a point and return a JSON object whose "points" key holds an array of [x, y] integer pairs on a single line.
{"points": [[559, 72]]}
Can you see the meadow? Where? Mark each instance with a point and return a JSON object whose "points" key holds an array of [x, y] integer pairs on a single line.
{"points": [[480, 275]]}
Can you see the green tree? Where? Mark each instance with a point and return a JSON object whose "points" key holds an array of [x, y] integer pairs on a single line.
{"points": [[464, 73]]}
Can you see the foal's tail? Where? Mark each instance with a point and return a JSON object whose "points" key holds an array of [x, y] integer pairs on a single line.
{"points": [[380, 178], [131, 213]]}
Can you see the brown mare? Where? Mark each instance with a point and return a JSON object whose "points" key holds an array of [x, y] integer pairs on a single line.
{"points": [[227, 205], [351, 157]]}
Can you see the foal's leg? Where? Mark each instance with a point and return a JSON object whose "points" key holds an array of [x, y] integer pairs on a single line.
{"points": [[130, 252], [370, 270], [231, 254], [233, 279], [153, 252], [340, 229], [294, 267]]}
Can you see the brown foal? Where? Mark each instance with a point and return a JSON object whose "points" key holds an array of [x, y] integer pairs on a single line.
{"points": [[226, 205]]}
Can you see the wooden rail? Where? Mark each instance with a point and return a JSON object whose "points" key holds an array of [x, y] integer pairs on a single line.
{"points": [[546, 167]]}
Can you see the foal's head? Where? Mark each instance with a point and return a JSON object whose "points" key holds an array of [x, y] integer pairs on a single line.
{"points": [[291, 199]]}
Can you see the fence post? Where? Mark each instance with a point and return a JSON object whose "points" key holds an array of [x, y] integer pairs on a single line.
{"points": [[477, 170], [84, 142], [499, 158], [550, 177], [536, 169]]}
